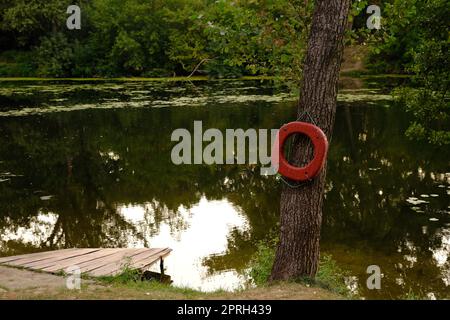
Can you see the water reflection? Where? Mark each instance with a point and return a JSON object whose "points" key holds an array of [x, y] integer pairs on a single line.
{"points": [[36, 233], [209, 226], [103, 178]]}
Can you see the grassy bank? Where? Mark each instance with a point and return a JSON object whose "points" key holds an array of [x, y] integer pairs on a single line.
{"points": [[329, 277], [154, 290], [129, 285]]}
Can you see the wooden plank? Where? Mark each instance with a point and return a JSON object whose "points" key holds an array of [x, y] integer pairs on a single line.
{"points": [[144, 255], [119, 254], [30, 256], [115, 267], [145, 263], [58, 256], [94, 261], [150, 256], [119, 258], [92, 256]]}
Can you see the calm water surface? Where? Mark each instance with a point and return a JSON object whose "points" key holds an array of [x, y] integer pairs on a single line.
{"points": [[88, 165]]}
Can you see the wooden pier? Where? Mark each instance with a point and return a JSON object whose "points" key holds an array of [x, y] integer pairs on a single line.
{"points": [[95, 262]]}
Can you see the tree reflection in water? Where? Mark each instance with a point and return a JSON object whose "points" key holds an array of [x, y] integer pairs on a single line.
{"points": [[103, 178]]}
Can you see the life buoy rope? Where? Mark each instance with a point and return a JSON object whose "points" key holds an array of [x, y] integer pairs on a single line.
{"points": [[320, 143]]}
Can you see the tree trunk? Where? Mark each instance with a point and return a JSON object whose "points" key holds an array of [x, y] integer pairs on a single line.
{"points": [[297, 254]]}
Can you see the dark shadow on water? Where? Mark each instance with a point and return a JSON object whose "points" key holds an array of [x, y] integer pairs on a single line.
{"points": [[68, 177]]}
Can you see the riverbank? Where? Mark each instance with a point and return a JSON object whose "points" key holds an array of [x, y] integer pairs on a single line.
{"points": [[346, 74], [137, 79], [23, 284]]}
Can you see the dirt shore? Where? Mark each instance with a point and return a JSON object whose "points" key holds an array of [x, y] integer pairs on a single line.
{"points": [[24, 284]]}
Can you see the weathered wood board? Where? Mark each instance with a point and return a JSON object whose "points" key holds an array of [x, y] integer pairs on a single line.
{"points": [[94, 262]]}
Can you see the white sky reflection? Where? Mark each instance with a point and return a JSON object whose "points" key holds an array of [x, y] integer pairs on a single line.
{"points": [[39, 229], [208, 226]]}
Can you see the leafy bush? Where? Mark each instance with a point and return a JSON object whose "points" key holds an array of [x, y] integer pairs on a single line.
{"points": [[429, 102], [126, 275], [329, 275], [54, 56], [16, 64], [161, 37], [261, 264], [390, 50], [431, 112]]}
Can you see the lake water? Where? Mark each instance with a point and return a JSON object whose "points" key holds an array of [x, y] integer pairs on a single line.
{"points": [[88, 165]]}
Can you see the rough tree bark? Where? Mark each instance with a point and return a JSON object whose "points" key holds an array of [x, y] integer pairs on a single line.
{"points": [[297, 254]]}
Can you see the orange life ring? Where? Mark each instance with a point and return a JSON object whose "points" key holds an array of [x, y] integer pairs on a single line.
{"points": [[320, 142]]}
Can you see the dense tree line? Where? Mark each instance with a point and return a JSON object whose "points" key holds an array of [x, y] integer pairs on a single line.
{"points": [[153, 38], [222, 38], [426, 54], [225, 38]]}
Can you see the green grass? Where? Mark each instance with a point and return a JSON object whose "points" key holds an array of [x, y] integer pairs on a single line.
{"points": [[414, 295], [261, 263], [126, 275], [130, 278], [129, 285], [329, 276], [124, 281]]}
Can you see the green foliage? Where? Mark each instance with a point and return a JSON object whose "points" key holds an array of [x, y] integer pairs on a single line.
{"points": [[132, 278], [431, 111], [128, 53], [54, 56], [16, 63], [329, 276], [428, 55], [28, 19], [412, 295], [414, 39], [391, 46], [261, 264], [406, 25], [160, 37], [126, 276]]}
